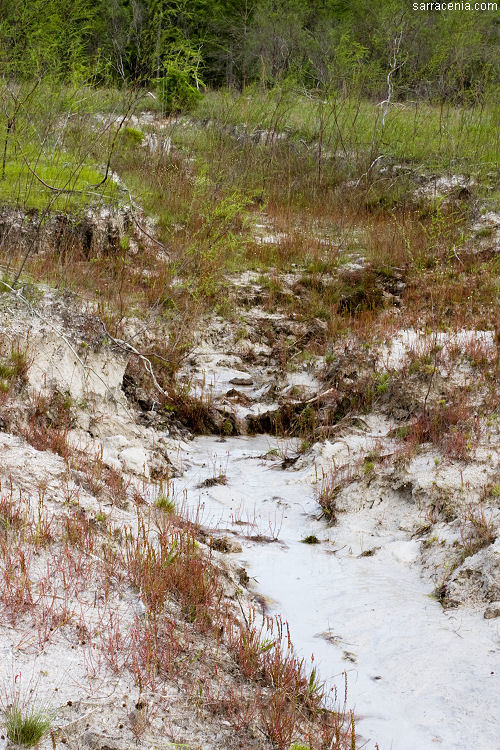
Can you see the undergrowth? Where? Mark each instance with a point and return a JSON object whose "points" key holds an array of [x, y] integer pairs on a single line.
{"points": [[185, 605]]}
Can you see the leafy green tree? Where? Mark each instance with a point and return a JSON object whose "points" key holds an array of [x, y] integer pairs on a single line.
{"points": [[46, 36], [179, 45]]}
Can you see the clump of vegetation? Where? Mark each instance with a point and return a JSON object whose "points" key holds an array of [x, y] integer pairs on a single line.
{"points": [[327, 495], [476, 530], [13, 367], [311, 539], [133, 135], [11, 517], [448, 424], [220, 478], [368, 466], [26, 727], [165, 503], [179, 87]]}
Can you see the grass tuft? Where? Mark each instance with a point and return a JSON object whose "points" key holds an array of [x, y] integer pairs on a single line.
{"points": [[26, 728], [165, 503], [311, 539]]}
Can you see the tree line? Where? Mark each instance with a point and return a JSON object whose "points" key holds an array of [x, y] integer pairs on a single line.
{"points": [[178, 47]]}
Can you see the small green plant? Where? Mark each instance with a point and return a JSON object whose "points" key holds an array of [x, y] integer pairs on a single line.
{"points": [[311, 539], [315, 688], [133, 135], [273, 452], [484, 232], [165, 503], [382, 380], [434, 539], [227, 427], [15, 366], [368, 467], [125, 242], [402, 432], [26, 727]]}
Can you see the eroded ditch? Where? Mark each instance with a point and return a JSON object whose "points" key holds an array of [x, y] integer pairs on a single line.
{"points": [[417, 675]]}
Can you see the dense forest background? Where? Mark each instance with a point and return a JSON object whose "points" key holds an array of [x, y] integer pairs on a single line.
{"points": [[178, 47]]}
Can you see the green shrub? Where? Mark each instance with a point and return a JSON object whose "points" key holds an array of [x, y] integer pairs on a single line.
{"points": [[133, 135], [177, 91]]}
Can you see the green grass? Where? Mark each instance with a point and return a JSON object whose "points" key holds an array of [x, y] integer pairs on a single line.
{"points": [[461, 139], [20, 188], [26, 728], [165, 503], [57, 133], [207, 191], [13, 367], [106, 100], [311, 539]]}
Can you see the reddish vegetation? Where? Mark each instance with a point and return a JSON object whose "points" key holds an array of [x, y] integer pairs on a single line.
{"points": [[63, 574]]}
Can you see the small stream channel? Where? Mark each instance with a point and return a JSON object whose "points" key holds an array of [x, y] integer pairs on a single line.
{"points": [[418, 677]]}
